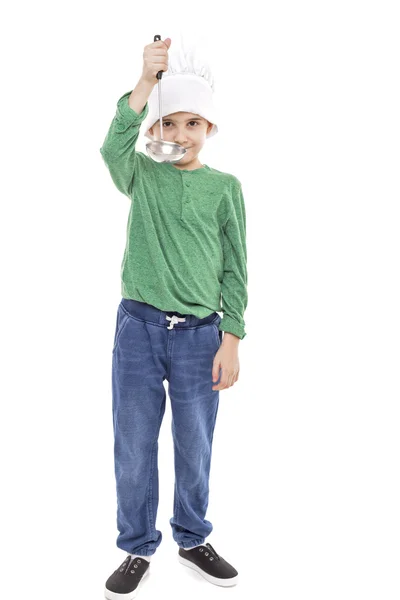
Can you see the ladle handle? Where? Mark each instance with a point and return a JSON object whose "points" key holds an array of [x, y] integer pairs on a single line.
{"points": [[157, 38]]}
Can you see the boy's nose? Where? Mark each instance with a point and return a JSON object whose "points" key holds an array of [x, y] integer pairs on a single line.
{"points": [[180, 136]]}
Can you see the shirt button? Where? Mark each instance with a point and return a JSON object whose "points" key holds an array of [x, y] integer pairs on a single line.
{"points": [[187, 183]]}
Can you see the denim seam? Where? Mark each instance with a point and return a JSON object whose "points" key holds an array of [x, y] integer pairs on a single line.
{"points": [[176, 504], [158, 324], [175, 494], [150, 491], [150, 515]]}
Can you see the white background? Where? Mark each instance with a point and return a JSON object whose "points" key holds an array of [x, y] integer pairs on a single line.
{"points": [[304, 490]]}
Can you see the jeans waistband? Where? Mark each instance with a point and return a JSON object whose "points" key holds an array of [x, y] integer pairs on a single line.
{"points": [[152, 314]]}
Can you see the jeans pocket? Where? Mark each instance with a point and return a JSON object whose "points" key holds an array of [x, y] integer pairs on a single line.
{"points": [[122, 319], [217, 332]]}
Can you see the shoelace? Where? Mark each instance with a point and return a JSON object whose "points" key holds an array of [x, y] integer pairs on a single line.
{"points": [[214, 552]]}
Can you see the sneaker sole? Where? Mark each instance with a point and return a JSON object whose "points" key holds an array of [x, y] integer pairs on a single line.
{"points": [[210, 578], [115, 596]]}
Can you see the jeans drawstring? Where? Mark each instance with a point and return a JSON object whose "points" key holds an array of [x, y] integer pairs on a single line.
{"points": [[174, 319]]}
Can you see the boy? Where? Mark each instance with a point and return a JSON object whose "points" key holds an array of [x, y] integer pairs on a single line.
{"points": [[185, 245]]}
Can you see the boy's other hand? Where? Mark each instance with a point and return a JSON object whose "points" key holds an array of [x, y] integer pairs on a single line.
{"points": [[227, 359]]}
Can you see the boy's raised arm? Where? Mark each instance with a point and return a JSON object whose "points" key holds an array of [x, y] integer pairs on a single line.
{"points": [[119, 147]]}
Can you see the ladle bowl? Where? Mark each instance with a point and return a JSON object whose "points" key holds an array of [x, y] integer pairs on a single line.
{"points": [[159, 150]]}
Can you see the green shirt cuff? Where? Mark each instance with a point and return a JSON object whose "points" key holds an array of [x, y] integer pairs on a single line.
{"points": [[231, 326], [128, 114]]}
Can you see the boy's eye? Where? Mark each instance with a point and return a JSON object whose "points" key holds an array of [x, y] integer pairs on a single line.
{"points": [[169, 122]]}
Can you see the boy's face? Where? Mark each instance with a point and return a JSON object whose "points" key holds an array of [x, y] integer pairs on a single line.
{"points": [[184, 128]]}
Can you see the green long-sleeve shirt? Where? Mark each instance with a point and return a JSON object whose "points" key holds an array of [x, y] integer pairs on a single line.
{"points": [[186, 232]]}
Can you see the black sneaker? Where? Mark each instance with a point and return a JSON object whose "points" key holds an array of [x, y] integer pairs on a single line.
{"points": [[209, 564], [123, 584]]}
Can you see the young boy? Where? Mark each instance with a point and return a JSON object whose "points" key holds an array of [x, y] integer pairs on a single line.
{"points": [[185, 246]]}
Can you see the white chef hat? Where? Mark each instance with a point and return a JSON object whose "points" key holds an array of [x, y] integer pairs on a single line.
{"points": [[188, 86]]}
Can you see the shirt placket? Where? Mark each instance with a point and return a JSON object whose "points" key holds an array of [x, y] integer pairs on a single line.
{"points": [[186, 194]]}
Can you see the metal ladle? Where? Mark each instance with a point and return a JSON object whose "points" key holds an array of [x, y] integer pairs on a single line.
{"points": [[159, 150]]}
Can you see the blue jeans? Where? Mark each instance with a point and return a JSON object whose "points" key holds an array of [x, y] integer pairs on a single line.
{"points": [[148, 348]]}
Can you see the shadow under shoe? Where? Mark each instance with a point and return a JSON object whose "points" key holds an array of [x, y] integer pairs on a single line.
{"points": [[125, 582]]}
